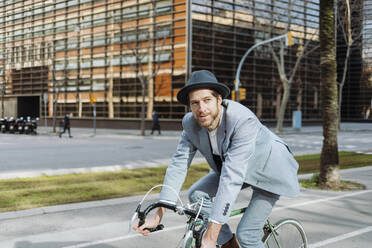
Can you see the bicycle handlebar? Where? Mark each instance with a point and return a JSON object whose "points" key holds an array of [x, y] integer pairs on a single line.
{"points": [[178, 209]]}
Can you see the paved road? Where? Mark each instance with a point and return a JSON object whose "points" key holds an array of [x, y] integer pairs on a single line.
{"points": [[331, 219], [23, 155]]}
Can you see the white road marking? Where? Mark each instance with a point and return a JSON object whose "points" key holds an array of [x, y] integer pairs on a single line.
{"points": [[322, 200], [341, 237], [329, 241], [129, 236]]}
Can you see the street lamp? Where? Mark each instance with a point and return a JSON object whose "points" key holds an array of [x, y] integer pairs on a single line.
{"points": [[288, 41]]}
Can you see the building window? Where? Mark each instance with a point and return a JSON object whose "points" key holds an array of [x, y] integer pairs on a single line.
{"points": [[143, 34], [60, 26], [86, 63], [72, 44], [38, 31], [59, 45], [72, 24], [48, 28], [163, 7], [87, 42], [163, 31], [99, 19], [99, 62], [60, 5], [50, 50], [98, 85], [42, 50], [18, 34], [72, 3], [128, 59], [59, 65], [31, 53], [101, 40], [17, 54], [130, 13], [86, 21], [162, 56], [24, 55], [129, 36], [48, 9], [116, 60], [117, 15], [144, 10], [72, 64]]}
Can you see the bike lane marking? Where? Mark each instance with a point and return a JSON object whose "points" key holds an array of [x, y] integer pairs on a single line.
{"points": [[335, 239], [129, 236], [341, 237], [296, 205]]}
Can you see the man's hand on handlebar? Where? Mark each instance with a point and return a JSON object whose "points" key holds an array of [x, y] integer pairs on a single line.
{"points": [[150, 223]]}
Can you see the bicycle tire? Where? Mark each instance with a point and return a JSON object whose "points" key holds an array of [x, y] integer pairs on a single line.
{"points": [[288, 233]]}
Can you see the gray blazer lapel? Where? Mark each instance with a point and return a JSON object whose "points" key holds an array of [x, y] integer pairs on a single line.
{"points": [[221, 134]]}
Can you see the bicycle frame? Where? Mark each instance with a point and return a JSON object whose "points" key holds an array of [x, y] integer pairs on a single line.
{"points": [[198, 223]]}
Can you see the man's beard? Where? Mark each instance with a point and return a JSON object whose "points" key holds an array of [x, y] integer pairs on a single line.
{"points": [[213, 119]]}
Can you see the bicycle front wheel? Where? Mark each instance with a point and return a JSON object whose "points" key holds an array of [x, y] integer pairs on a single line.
{"points": [[287, 233]]}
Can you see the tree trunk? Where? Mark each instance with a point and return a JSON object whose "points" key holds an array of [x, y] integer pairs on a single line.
{"points": [[283, 106], [143, 110], [341, 86], [329, 167], [278, 100], [55, 102]]}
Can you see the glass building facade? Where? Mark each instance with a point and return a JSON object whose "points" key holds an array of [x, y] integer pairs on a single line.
{"points": [[64, 53]]}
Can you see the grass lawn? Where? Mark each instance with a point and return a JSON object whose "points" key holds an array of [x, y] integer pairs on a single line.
{"points": [[26, 193]]}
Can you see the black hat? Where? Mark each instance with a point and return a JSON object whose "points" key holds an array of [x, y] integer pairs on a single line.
{"points": [[202, 79]]}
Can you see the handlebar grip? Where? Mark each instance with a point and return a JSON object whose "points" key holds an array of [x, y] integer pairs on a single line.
{"points": [[158, 228]]}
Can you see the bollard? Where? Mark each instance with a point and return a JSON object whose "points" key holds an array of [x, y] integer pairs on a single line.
{"points": [[296, 120]]}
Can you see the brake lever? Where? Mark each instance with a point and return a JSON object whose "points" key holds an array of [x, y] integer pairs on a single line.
{"points": [[142, 217]]}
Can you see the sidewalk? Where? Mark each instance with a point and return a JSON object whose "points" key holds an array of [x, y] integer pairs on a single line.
{"points": [[105, 132]]}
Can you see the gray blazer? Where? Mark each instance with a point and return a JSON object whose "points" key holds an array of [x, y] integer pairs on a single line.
{"points": [[250, 152]]}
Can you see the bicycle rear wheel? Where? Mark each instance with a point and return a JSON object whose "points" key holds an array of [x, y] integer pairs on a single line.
{"points": [[288, 233]]}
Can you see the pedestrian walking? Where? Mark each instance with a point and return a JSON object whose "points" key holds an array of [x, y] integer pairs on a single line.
{"points": [[155, 122], [66, 126]]}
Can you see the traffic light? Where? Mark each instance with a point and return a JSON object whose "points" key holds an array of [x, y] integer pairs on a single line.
{"points": [[289, 39], [242, 94], [92, 98]]}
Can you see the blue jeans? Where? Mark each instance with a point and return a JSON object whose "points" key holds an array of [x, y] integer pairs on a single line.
{"points": [[250, 226]]}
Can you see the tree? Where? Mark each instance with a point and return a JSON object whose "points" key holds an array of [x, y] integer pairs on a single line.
{"points": [[56, 92], [3, 86], [286, 78], [145, 55], [329, 165], [351, 34], [282, 24]]}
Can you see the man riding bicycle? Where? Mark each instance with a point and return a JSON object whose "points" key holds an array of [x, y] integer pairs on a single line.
{"points": [[240, 151]]}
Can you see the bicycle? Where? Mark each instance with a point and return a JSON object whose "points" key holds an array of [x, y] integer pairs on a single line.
{"points": [[286, 233]]}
